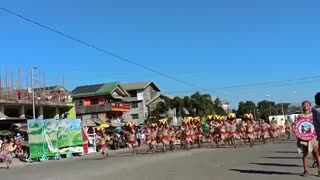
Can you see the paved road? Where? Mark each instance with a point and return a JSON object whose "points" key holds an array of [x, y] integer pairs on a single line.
{"points": [[260, 162]]}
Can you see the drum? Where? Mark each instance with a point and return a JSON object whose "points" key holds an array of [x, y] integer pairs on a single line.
{"points": [[304, 129]]}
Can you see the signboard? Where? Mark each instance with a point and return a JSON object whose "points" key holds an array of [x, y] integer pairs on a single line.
{"points": [[70, 136], [75, 136], [43, 138], [49, 137], [63, 136], [304, 129], [35, 138]]}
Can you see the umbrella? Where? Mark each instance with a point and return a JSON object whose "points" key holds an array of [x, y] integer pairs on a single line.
{"points": [[102, 127], [23, 129], [5, 133], [118, 129]]}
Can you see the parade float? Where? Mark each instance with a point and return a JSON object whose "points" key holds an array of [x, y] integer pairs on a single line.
{"points": [[53, 138]]}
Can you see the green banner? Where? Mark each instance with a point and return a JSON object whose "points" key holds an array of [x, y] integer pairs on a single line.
{"points": [[70, 136], [35, 138], [43, 138], [49, 136]]}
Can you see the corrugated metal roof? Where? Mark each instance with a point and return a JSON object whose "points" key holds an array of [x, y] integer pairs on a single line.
{"points": [[51, 88], [140, 85], [97, 89], [131, 99]]}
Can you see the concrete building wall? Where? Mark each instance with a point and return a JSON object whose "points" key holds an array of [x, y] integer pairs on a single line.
{"points": [[153, 105], [42, 111], [143, 97], [148, 94], [139, 111]]}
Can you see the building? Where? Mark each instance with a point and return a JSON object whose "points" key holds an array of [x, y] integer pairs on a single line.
{"points": [[100, 102], [140, 95], [53, 93], [225, 105], [152, 104], [18, 104]]}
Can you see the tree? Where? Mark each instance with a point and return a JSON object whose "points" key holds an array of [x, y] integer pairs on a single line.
{"points": [[217, 107], [195, 105], [266, 108], [294, 109], [176, 103], [269, 108], [202, 104], [246, 107], [160, 110]]}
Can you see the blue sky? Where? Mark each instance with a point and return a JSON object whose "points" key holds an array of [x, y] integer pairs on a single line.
{"points": [[210, 43]]}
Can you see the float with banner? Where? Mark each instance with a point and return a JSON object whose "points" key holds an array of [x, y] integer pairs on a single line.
{"points": [[43, 139], [50, 137], [70, 136]]}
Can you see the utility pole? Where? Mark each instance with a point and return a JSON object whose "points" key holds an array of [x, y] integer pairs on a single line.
{"points": [[32, 89]]}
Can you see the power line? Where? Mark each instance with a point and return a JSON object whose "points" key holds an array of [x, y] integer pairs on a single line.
{"points": [[99, 49], [107, 52], [258, 85], [132, 62]]}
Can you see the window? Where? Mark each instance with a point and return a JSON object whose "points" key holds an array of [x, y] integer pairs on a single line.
{"points": [[94, 101], [134, 105], [80, 102], [94, 116], [133, 93], [135, 116]]}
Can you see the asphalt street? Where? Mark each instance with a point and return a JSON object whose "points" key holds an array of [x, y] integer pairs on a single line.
{"points": [[261, 162]]}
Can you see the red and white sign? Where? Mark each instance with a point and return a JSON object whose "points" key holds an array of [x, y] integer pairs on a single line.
{"points": [[304, 129]]}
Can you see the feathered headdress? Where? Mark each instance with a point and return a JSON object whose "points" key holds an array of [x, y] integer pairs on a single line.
{"points": [[232, 116], [248, 117]]}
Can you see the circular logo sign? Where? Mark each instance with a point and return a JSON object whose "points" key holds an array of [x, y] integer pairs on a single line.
{"points": [[304, 129]]}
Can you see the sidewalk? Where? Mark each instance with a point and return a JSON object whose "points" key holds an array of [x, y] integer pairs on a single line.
{"points": [[18, 163]]}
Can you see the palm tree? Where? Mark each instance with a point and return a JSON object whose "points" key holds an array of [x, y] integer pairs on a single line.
{"points": [[161, 110], [202, 104], [197, 105]]}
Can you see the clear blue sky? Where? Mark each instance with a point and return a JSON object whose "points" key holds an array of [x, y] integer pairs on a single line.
{"points": [[209, 43]]}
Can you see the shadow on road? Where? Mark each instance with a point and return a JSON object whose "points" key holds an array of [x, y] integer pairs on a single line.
{"points": [[276, 164], [110, 156], [264, 172], [285, 152], [281, 157]]}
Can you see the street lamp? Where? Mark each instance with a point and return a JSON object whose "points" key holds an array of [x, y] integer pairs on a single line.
{"points": [[32, 89]]}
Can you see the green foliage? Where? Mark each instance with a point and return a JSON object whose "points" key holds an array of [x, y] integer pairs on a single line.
{"points": [[195, 105], [246, 107], [263, 109]]}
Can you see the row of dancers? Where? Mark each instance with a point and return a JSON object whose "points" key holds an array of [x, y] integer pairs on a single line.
{"points": [[219, 133]]}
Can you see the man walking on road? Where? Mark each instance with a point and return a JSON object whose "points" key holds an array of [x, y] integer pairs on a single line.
{"points": [[316, 115]]}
